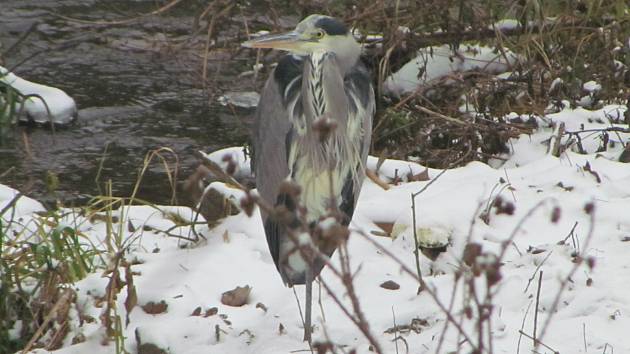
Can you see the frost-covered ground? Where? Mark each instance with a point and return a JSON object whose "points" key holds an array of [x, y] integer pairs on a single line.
{"points": [[593, 314]]}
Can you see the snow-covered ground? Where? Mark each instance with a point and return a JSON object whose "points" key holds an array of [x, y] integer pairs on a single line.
{"points": [[593, 314]]}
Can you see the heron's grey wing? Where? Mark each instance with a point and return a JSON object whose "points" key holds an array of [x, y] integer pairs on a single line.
{"points": [[271, 141], [362, 106]]}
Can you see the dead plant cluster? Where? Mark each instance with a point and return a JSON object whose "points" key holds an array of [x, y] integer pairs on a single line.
{"points": [[36, 269], [462, 117]]}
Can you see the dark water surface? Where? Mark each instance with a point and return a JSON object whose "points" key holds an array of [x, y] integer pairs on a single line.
{"points": [[138, 87]]}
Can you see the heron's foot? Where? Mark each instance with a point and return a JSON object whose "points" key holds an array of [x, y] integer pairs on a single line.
{"points": [[308, 331]]}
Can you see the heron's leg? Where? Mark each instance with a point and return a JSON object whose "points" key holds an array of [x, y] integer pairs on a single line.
{"points": [[309, 301]]}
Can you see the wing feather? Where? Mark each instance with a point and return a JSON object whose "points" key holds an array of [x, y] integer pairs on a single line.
{"points": [[358, 86], [271, 141]]}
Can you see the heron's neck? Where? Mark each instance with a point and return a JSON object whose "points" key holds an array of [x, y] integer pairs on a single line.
{"points": [[316, 82], [346, 51]]}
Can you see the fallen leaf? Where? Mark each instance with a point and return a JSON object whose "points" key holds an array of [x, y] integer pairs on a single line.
{"points": [[237, 296], [390, 285], [588, 168], [535, 250], [471, 252], [130, 226], [132, 297], [211, 312], [432, 252], [154, 308], [566, 188], [261, 306], [196, 312]]}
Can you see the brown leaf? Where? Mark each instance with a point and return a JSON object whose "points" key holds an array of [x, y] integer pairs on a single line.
{"points": [[504, 207], [390, 285], [566, 188], [248, 202], [420, 177], [468, 312], [385, 226], [471, 252], [153, 308], [535, 250], [132, 297], [211, 312], [237, 296], [196, 312], [130, 226], [555, 215], [433, 252], [588, 168], [589, 207], [261, 306]]}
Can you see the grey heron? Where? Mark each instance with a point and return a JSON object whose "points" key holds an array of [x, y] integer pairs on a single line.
{"points": [[322, 77]]}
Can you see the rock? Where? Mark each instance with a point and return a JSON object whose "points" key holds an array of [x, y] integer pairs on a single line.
{"points": [[147, 347], [79, 338], [248, 99], [211, 203], [390, 285], [237, 296], [63, 109]]}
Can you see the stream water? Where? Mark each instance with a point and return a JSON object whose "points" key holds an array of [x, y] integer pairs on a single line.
{"points": [[138, 87]]}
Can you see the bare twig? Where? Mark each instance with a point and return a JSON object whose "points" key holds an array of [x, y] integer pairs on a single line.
{"points": [[374, 178], [589, 209], [556, 139], [537, 303], [538, 342], [529, 281], [518, 346]]}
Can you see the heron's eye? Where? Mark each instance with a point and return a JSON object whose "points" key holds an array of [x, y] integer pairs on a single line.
{"points": [[319, 34]]}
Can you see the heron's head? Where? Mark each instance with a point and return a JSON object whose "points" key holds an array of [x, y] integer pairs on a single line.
{"points": [[314, 33]]}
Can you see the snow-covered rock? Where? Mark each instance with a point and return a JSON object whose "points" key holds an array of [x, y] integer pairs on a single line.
{"points": [[247, 99], [436, 62], [63, 109]]}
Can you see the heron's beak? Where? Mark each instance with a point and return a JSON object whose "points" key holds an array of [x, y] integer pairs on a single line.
{"points": [[290, 41]]}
